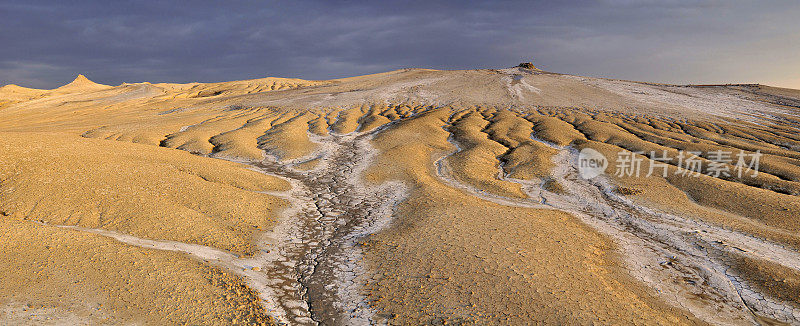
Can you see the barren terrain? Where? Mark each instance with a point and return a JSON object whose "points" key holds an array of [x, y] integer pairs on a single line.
{"points": [[414, 196]]}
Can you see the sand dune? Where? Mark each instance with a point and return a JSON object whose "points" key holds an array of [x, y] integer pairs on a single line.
{"points": [[414, 196]]}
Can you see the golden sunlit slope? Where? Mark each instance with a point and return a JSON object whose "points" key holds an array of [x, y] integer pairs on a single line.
{"points": [[57, 276], [145, 191], [141, 190], [414, 196]]}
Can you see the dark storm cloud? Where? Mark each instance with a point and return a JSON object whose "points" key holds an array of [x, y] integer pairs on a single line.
{"points": [[44, 44]]}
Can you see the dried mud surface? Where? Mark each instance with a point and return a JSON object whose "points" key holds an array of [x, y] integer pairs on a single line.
{"points": [[408, 197]]}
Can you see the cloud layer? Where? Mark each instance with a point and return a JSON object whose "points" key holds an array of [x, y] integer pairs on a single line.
{"points": [[46, 43]]}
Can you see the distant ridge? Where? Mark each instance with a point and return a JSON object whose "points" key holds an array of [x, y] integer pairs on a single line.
{"points": [[15, 93], [80, 84], [17, 88]]}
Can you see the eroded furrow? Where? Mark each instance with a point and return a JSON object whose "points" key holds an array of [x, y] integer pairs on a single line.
{"points": [[322, 264]]}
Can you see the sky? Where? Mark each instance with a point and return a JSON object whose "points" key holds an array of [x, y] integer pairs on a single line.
{"points": [[45, 44]]}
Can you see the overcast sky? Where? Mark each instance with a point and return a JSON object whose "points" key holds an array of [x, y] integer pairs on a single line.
{"points": [[44, 44]]}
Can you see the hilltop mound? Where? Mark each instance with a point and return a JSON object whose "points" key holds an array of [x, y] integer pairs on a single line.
{"points": [[81, 84]]}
